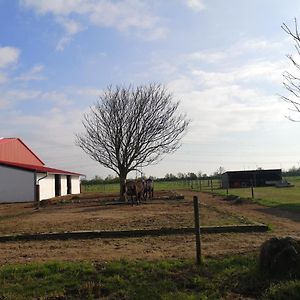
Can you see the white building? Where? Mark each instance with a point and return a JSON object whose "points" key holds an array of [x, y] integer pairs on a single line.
{"points": [[21, 171]]}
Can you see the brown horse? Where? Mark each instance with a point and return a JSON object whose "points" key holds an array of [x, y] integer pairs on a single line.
{"points": [[148, 191], [135, 189]]}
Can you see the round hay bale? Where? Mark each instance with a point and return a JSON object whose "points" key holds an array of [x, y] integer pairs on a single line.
{"points": [[280, 257]]}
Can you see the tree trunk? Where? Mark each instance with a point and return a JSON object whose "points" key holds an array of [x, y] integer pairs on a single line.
{"points": [[122, 186]]}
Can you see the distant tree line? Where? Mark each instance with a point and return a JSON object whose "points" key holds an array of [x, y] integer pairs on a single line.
{"points": [[168, 177], [293, 171], [99, 180]]}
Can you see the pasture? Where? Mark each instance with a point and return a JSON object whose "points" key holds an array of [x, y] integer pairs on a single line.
{"points": [[282, 198], [93, 214], [197, 185]]}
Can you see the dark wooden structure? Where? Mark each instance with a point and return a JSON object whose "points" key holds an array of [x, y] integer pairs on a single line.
{"points": [[239, 179]]}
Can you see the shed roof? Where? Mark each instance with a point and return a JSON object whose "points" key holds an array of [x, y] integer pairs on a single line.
{"points": [[38, 169], [253, 171]]}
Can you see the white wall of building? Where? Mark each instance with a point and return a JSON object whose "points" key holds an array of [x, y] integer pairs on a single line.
{"points": [[16, 185], [75, 183], [47, 186], [63, 185]]}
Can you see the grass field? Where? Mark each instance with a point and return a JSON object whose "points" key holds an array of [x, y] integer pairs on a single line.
{"points": [[203, 185], [234, 277], [284, 198]]}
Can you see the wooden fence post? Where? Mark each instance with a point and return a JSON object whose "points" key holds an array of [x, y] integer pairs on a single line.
{"points": [[197, 230], [252, 190]]}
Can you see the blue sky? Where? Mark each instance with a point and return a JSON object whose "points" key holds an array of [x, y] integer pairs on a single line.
{"points": [[223, 60]]}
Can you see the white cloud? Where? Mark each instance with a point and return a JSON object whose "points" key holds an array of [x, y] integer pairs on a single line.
{"points": [[50, 132], [63, 42], [219, 110], [241, 48], [71, 26], [9, 98], [33, 74], [57, 7], [91, 92], [125, 16], [233, 96], [196, 5], [263, 71], [58, 98], [8, 56]]}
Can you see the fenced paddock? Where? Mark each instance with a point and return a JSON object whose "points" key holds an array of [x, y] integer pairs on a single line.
{"points": [[160, 214], [94, 214]]}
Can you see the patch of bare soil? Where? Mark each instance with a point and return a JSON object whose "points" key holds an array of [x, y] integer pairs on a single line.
{"points": [[154, 215]]}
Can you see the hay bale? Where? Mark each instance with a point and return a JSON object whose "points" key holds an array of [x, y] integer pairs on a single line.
{"points": [[280, 257]]}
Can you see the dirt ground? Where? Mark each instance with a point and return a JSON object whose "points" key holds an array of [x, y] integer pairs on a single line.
{"points": [[92, 216]]}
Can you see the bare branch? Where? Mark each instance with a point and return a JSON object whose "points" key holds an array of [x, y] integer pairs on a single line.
{"points": [[292, 82]]}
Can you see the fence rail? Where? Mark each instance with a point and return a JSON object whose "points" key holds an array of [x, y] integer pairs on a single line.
{"points": [[132, 233]]}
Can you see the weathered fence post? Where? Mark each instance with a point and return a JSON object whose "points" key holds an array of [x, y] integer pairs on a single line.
{"points": [[252, 190], [197, 230]]}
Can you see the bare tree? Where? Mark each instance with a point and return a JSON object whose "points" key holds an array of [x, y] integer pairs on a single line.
{"points": [[292, 81], [132, 127]]}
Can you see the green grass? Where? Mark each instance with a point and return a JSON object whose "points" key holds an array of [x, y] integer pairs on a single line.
{"points": [[284, 198], [171, 279], [104, 188], [158, 186], [40, 280]]}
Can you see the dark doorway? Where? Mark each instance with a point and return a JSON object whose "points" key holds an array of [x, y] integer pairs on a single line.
{"points": [[57, 185], [69, 184]]}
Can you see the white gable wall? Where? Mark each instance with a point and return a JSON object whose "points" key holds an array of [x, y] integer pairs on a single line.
{"points": [[16, 185]]}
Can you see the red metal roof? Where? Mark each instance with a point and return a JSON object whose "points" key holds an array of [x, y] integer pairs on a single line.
{"points": [[14, 150], [38, 169]]}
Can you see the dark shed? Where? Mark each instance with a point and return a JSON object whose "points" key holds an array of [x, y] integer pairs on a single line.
{"points": [[238, 179]]}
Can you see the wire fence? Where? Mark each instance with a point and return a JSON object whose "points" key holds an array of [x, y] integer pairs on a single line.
{"points": [[200, 185]]}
